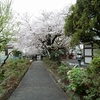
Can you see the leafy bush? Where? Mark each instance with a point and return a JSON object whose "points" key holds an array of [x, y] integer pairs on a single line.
{"points": [[83, 81], [2, 72], [95, 64], [1, 89], [16, 53], [92, 80], [86, 80], [62, 70], [12, 69], [75, 77]]}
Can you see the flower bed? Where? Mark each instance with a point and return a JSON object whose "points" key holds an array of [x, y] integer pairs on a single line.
{"points": [[11, 74]]}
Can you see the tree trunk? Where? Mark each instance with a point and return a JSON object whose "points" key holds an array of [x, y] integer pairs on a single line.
{"points": [[5, 59]]}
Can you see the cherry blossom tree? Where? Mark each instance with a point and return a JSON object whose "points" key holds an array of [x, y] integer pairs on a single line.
{"points": [[34, 34]]}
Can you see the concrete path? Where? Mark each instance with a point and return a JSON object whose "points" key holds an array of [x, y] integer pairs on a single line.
{"points": [[38, 84]]}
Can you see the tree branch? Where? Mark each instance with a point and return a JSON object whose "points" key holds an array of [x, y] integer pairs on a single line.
{"points": [[5, 59]]}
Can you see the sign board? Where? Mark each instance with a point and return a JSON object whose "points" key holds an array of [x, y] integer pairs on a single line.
{"points": [[88, 53]]}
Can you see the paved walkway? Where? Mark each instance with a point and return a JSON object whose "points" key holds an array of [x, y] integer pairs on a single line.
{"points": [[38, 84]]}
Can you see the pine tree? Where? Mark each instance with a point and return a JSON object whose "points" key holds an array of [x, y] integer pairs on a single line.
{"points": [[83, 21]]}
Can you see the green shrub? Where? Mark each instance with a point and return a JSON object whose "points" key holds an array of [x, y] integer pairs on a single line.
{"points": [[12, 68], [75, 77], [95, 64], [86, 80], [2, 76], [16, 53], [92, 80], [62, 70], [1, 89]]}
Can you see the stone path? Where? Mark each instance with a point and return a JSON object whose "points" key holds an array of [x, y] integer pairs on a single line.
{"points": [[38, 84]]}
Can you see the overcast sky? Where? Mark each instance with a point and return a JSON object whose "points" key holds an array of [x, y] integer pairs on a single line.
{"points": [[37, 6]]}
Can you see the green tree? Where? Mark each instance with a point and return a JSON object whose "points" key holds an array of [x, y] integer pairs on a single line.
{"points": [[83, 21], [17, 53], [7, 27]]}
